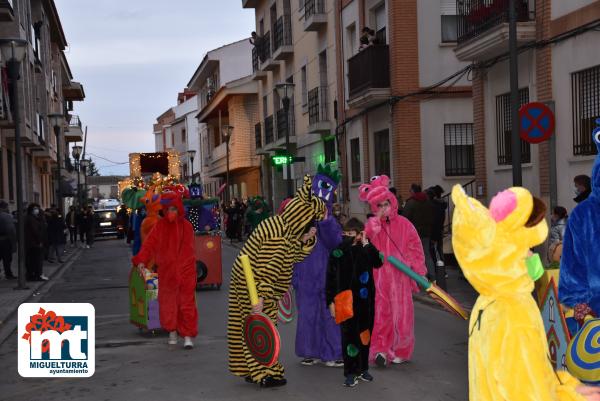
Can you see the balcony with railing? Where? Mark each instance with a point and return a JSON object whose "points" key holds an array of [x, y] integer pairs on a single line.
{"points": [[369, 76], [75, 132], [268, 130], [265, 56], [318, 113], [283, 123], [315, 17], [282, 38], [257, 73], [483, 27]]}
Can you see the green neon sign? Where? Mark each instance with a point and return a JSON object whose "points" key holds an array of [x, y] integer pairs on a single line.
{"points": [[281, 160]]}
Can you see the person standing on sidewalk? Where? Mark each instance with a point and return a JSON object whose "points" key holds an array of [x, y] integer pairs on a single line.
{"points": [[56, 236], [8, 239], [35, 238], [72, 225], [170, 245], [420, 212], [91, 227]]}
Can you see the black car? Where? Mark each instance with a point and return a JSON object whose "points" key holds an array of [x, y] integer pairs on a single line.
{"points": [[108, 224]]}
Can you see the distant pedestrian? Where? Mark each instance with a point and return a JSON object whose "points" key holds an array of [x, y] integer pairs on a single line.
{"points": [[420, 212], [8, 239], [439, 218], [583, 187], [71, 222], [56, 236], [35, 238], [558, 224]]}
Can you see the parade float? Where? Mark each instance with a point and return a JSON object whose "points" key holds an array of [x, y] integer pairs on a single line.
{"points": [[152, 175]]}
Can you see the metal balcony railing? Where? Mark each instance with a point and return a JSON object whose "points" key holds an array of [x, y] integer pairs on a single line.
{"points": [[282, 32], [268, 129], [255, 65], [317, 105], [265, 48], [283, 124], [258, 136], [368, 69], [75, 121], [477, 16], [312, 7]]}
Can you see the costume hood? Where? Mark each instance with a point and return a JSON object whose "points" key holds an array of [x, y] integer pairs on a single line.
{"points": [[172, 199], [303, 209], [325, 183], [491, 245], [376, 192]]}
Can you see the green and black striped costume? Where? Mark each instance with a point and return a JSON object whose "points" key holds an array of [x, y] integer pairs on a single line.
{"points": [[273, 248]]}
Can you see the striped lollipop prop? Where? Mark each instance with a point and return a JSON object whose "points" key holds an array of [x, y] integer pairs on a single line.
{"points": [[285, 313], [260, 333], [583, 353]]}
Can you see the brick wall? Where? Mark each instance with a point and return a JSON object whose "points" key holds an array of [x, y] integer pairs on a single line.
{"points": [[243, 115], [404, 75], [479, 131], [543, 70]]}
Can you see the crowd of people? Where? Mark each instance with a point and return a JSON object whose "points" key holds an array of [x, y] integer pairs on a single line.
{"points": [[46, 233]]}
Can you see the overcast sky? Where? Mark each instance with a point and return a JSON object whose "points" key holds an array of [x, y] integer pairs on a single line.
{"points": [[133, 57]]}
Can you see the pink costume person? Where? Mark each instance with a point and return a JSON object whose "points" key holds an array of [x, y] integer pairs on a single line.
{"points": [[393, 333]]}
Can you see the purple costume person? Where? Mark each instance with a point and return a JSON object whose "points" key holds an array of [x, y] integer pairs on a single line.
{"points": [[317, 334]]}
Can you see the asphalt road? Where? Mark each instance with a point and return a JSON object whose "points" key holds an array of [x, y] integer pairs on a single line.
{"points": [[135, 366]]}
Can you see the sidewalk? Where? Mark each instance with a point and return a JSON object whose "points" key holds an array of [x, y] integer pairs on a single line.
{"points": [[10, 299]]}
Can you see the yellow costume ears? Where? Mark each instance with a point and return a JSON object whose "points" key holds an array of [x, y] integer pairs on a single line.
{"points": [[513, 212]]}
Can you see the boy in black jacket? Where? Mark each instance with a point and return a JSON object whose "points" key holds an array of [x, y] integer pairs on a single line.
{"points": [[351, 268]]}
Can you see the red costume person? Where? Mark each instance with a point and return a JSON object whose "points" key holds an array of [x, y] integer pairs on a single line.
{"points": [[393, 333], [171, 245]]}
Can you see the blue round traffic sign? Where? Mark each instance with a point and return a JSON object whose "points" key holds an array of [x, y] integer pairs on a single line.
{"points": [[536, 122]]}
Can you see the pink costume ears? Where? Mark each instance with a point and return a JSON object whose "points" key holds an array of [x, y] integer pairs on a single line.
{"points": [[502, 205]]}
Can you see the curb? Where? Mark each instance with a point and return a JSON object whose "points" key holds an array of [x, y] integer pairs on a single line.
{"points": [[9, 325]]}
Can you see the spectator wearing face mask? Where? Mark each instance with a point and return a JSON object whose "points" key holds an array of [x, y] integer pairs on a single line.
{"points": [[583, 187], [35, 238]]}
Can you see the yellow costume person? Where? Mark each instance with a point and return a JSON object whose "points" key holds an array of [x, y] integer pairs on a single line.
{"points": [[508, 351], [273, 247]]}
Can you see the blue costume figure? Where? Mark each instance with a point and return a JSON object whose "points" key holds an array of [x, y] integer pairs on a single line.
{"points": [[197, 212], [317, 335], [138, 217], [579, 283]]}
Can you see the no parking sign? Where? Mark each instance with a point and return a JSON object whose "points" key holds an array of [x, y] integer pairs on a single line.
{"points": [[536, 122]]}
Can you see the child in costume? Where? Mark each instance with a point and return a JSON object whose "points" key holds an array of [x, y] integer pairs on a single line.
{"points": [[276, 244], [508, 350], [579, 282], [393, 333], [171, 245], [351, 268], [317, 335]]}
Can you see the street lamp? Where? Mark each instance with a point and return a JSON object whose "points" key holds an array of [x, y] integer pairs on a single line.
{"points": [[285, 90], [85, 163], [76, 153], [56, 121], [13, 51], [227, 131], [191, 155]]}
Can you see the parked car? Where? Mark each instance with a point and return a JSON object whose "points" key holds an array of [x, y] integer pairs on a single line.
{"points": [[108, 224]]}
